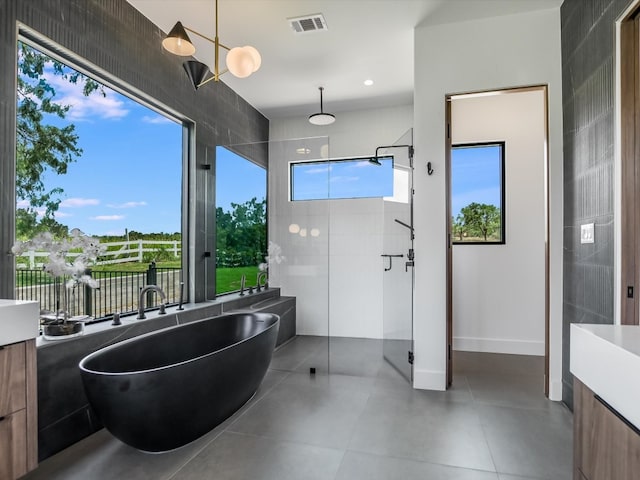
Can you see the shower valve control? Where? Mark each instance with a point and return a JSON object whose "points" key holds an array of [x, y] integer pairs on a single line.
{"points": [[410, 255], [407, 265]]}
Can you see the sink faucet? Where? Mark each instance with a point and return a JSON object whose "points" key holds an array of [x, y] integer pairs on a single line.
{"points": [[143, 292], [243, 279], [261, 275]]}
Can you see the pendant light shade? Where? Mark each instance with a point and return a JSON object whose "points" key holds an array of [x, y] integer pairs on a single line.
{"points": [[241, 61], [196, 71], [321, 118], [178, 42]]}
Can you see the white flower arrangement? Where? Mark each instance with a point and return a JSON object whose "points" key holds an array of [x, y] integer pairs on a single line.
{"points": [[60, 262], [274, 255]]}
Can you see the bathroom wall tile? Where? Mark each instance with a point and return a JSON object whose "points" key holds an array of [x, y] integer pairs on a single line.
{"points": [[588, 73]]}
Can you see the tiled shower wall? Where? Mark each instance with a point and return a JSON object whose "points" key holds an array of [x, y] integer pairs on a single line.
{"points": [[588, 90], [117, 39]]}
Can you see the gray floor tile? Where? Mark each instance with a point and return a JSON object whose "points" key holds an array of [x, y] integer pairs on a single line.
{"points": [[291, 355], [523, 391], [244, 457], [516, 477], [360, 466], [303, 412], [361, 421], [535, 443], [424, 429], [478, 362], [103, 457]]}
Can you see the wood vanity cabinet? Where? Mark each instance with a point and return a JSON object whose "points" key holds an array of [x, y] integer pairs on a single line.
{"points": [[605, 446], [18, 410]]}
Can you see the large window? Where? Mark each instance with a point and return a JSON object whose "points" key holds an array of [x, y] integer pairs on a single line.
{"points": [[91, 158], [241, 220], [477, 193], [344, 178]]}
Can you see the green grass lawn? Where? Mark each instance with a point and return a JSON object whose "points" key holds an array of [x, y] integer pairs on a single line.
{"points": [[227, 279]]}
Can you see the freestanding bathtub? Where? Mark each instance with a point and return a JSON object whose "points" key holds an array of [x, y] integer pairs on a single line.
{"points": [[164, 389]]}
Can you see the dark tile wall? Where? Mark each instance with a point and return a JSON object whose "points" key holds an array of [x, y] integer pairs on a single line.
{"points": [[588, 91], [115, 38]]}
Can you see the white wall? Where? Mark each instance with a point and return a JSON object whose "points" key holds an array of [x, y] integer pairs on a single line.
{"points": [[336, 276], [486, 54], [498, 290]]}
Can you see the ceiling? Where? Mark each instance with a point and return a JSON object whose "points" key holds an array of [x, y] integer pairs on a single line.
{"points": [[365, 39]]}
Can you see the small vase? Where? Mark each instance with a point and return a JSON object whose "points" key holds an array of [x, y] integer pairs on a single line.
{"points": [[62, 331]]}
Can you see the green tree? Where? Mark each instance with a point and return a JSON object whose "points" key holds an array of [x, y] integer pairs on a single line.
{"points": [[458, 227], [241, 234], [41, 144], [481, 219]]}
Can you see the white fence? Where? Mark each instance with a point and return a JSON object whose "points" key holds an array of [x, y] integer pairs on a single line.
{"points": [[117, 252]]}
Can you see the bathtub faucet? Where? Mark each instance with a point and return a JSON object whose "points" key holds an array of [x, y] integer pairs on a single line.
{"points": [[143, 292], [261, 275], [243, 279]]}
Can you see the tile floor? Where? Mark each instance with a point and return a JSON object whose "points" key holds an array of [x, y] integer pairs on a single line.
{"points": [[362, 421]]}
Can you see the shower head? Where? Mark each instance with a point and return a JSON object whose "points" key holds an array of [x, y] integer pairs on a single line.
{"points": [[375, 161]]}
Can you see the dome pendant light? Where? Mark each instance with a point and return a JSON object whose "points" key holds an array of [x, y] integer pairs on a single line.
{"points": [[321, 118]]}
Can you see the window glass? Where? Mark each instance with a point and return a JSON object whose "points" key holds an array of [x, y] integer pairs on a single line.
{"points": [[477, 193], [344, 178], [241, 220], [92, 159]]}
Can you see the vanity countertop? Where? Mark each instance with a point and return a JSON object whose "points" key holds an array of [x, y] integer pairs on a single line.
{"points": [[19, 320], [606, 358]]}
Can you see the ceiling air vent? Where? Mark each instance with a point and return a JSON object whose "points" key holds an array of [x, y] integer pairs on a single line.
{"points": [[308, 23]]}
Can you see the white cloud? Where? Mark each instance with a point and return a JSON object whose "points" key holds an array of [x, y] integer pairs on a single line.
{"points": [[60, 214], [107, 218], [127, 204], [79, 202], [343, 179], [157, 119], [23, 204], [86, 107], [315, 171]]}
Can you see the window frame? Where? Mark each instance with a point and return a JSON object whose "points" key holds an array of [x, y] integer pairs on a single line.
{"points": [[503, 216], [82, 65]]}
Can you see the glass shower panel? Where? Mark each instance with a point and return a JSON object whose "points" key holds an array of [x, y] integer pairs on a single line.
{"points": [[397, 261], [300, 229], [297, 252]]}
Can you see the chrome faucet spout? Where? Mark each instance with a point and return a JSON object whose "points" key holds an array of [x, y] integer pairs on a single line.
{"points": [[143, 292], [243, 280], [261, 275]]}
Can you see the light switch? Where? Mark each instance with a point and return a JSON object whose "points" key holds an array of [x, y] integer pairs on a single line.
{"points": [[587, 233]]}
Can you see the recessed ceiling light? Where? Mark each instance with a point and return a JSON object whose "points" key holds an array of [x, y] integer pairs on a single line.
{"points": [[368, 82]]}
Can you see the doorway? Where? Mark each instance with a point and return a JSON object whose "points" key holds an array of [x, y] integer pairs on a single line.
{"points": [[498, 281], [629, 85]]}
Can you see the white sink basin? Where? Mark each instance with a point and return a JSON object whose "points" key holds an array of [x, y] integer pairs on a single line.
{"points": [[19, 320]]}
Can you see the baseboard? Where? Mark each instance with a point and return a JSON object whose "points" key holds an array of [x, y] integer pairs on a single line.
{"points": [[498, 345], [429, 380], [555, 391]]}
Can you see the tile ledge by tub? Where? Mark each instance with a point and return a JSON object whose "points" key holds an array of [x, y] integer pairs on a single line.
{"points": [[131, 320]]}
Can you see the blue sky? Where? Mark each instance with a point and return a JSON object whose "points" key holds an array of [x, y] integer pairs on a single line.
{"points": [[129, 175], [342, 179], [475, 177]]}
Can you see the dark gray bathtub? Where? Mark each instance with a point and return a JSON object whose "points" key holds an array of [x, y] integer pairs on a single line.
{"points": [[164, 389]]}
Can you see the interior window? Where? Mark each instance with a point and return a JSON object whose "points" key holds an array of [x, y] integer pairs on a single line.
{"points": [[477, 193]]}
